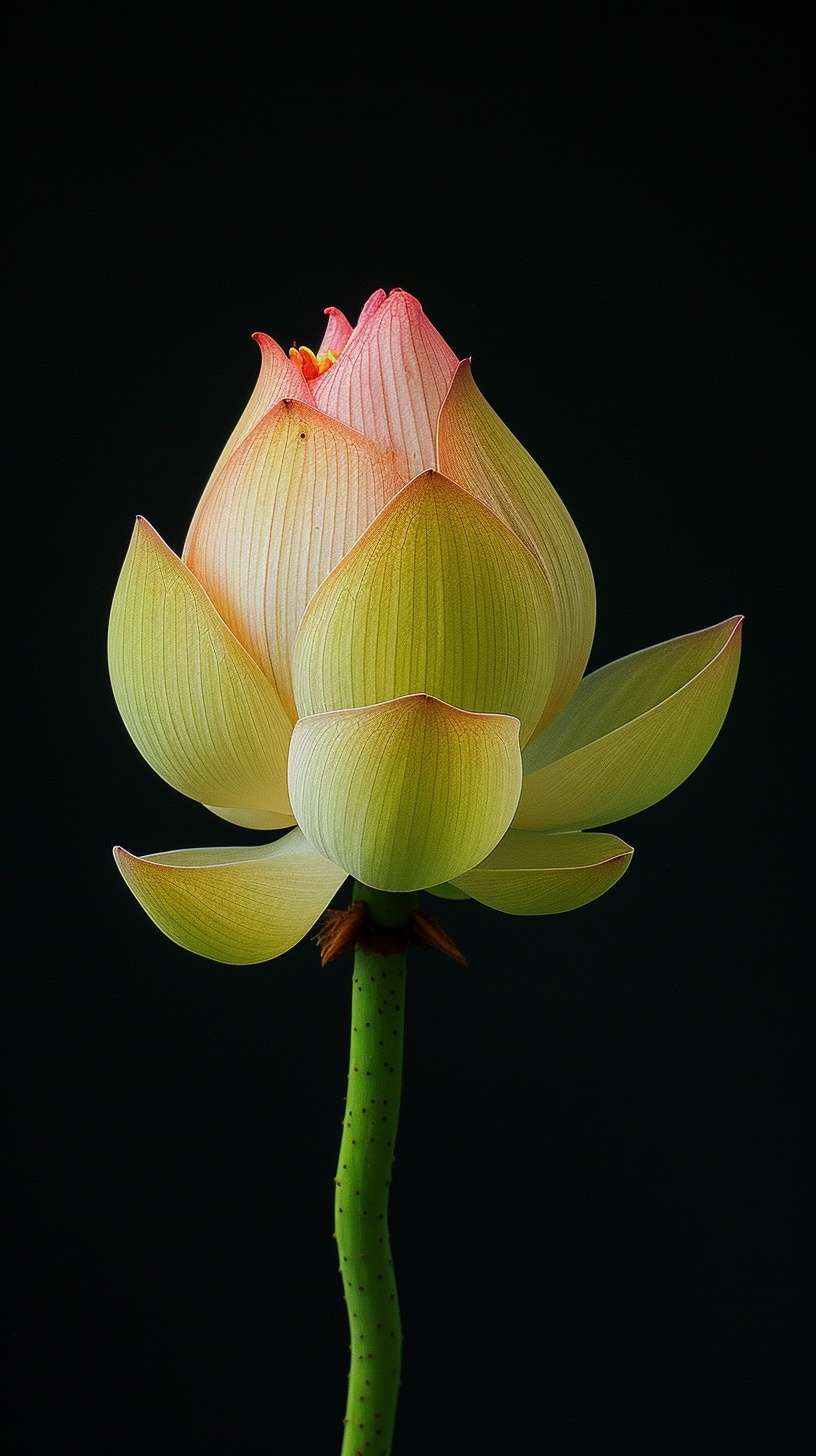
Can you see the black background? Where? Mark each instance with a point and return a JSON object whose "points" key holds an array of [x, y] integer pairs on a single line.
{"points": [[597, 1197]]}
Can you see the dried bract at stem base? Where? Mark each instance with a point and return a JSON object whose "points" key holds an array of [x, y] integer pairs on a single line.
{"points": [[342, 930]]}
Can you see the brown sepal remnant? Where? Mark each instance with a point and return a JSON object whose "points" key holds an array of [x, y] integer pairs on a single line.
{"points": [[343, 929], [340, 931], [427, 931]]}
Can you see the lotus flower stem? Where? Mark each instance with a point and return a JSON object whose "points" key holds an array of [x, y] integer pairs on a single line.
{"points": [[364, 1178]]}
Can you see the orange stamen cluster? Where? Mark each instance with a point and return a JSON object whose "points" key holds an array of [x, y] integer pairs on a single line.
{"points": [[311, 365]]}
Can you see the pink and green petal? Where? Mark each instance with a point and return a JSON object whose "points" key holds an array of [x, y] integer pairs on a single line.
{"points": [[405, 794], [239, 905], [634, 730], [546, 874], [288, 505], [197, 706], [437, 597], [278, 379], [477, 450], [390, 381]]}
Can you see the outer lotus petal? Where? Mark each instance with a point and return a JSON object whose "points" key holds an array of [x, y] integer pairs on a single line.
{"points": [[634, 730], [338, 332], [259, 819], [194, 702], [285, 509], [279, 379], [478, 451], [438, 596], [390, 381], [239, 905], [405, 794], [545, 874]]}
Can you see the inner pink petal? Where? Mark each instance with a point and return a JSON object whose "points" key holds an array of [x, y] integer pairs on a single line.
{"points": [[338, 332], [390, 381]]}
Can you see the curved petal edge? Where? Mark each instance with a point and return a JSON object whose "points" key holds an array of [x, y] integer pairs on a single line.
{"points": [[278, 379], [633, 731], [261, 819], [477, 450], [437, 597], [405, 794], [238, 905], [547, 874], [285, 509], [195, 703]]}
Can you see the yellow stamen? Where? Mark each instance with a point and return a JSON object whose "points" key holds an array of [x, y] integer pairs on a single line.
{"points": [[311, 365]]}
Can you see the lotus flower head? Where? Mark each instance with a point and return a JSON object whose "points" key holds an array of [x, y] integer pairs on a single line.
{"points": [[375, 638]]}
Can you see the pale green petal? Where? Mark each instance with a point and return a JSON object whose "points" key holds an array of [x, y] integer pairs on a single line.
{"points": [[405, 794], [634, 730], [478, 451], [196, 705], [239, 905], [546, 874], [285, 509], [448, 892], [437, 597], [260, 819]]}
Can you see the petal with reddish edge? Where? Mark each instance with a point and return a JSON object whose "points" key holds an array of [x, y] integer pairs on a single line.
{"points": [[405, 794], [196, 705], [237, 905], [634, 730], [288, 505], [337, 334], [546, 874], [478, 451], [260, 819], [374, 302], [278, 379], [437, 597], [390, 381]]}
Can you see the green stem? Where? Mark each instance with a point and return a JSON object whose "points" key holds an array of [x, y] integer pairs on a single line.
{"points": [[363, 1180]]}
